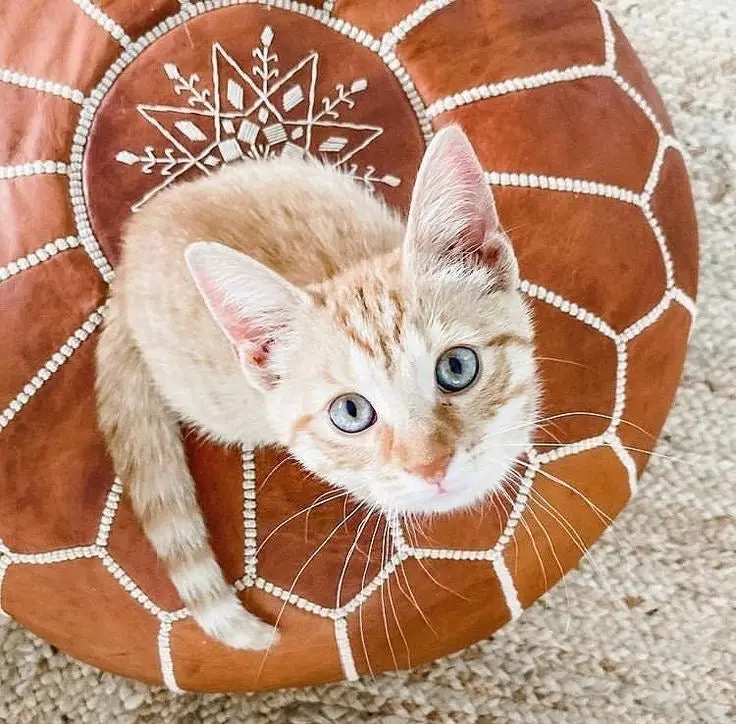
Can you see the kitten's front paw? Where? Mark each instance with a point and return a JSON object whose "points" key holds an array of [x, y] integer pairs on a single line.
{"points": [[230, 624]]}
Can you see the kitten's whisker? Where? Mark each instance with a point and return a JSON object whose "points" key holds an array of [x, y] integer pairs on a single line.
{"points": [[419, 561], [553, 550], [385, 557], [564, 523], [349, 554], [563, 415], [562, 361], [411, 597], [309, 560], [602, 515], [651, 453], [287, 459], [306, 510], [539, 500], [362, 586], [542, 567]]}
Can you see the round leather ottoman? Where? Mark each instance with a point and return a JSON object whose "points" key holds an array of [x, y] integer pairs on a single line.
{"points": [[106, 104]]}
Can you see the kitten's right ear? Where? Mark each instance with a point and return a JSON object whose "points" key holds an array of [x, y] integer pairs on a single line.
{"points": [[252, 304], [452, 217]]}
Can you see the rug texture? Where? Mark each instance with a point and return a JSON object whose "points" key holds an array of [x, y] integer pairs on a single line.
{"points": [[645, 630]]}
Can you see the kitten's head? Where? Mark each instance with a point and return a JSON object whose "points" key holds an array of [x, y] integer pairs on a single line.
{"points": [[409, 379]]}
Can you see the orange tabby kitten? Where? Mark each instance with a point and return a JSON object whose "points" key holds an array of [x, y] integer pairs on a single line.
{"points": [[280, 302]]}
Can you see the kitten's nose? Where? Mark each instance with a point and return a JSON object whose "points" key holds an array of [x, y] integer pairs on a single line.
{"points": [[433, 471]]}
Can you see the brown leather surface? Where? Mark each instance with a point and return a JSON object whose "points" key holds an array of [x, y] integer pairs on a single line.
{"points": [[489, 42], [673, 207], [595, 477], [646, 405], [597, 252], [55, 41]]}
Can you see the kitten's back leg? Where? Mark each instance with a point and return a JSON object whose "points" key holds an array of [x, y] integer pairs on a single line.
{"points": [[144, 440]]}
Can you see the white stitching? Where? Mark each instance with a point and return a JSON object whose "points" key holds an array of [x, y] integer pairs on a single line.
{"points": [[32, 168], [685, 300], [250, 537], [537, 291], [513, 85], [40, 255], [412, 20], [345, 650], [563, 184], [164, 655], [4, 565], [104, 21], [508, 587], [42, 85], [627, 461], [50, 367], [609, 39]]}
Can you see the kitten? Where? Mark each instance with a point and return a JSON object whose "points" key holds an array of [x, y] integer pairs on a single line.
{"points": [[393, 360]]}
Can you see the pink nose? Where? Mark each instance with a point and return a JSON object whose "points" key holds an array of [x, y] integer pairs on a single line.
{"points": [[433, 471]]}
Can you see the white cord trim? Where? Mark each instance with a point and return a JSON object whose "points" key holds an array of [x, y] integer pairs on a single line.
{"points": [[32, 168], [412, 20], [50, 367], [40, 255], [42, 85], [345, 650], [508, 587], [104, 21]]}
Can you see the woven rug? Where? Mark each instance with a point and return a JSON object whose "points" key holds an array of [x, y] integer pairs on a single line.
{"points": [[645, 630]]}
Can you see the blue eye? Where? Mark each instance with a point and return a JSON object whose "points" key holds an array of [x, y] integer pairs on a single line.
{"points": [[352, 413], [457, 369]]}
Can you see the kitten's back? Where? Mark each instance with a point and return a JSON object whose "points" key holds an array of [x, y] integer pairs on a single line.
{"points": [[303, 220]]}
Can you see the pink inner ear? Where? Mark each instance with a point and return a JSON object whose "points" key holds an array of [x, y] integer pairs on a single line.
{"points": [[241, 330]]}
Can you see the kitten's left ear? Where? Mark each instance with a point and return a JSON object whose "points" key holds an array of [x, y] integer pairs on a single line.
{"points": [[453, 215], [254, 306]]}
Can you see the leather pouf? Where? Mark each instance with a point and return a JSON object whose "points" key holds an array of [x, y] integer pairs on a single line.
{"points": [[105, 104]]}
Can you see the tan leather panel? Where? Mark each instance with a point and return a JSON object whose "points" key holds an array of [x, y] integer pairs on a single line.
{"points": [[77, 607], [470, 530], [673, 206], [646, 408], [27, 229], [42, 129], [490, 42], [55, 41], [578, 368], [306, 653], [562, 238], [572, 504], [219, 476], [406, 622], [316, 538], [40, 309], [375, 19], [611, 142], [138, 16], [54, 473], [130, 549], [633, 72]]}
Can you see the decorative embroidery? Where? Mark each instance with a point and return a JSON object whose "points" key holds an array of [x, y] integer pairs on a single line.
{"points": [[259, 115]]}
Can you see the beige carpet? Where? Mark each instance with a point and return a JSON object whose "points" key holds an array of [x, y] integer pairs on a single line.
{"points": [[644, 633]]}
